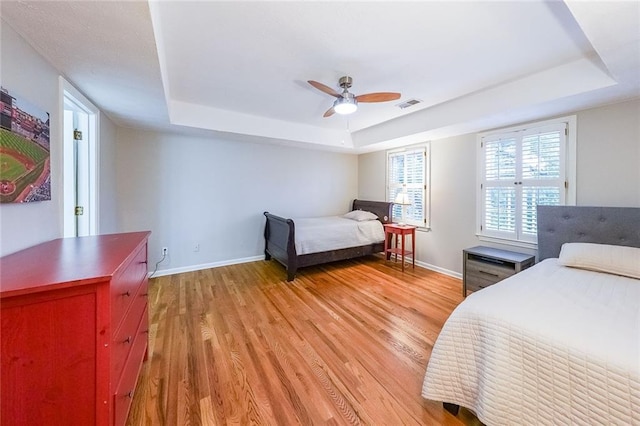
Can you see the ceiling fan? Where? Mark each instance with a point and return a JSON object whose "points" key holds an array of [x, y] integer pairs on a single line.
{"points": [[346, 102]]}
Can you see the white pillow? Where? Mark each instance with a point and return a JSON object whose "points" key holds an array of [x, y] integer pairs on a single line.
{"points": [[361, 215], [619, 260]]}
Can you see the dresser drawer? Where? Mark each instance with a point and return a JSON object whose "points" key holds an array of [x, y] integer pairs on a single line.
{"points": [[475, 283], [128, 333], [487, 270], [126, 284], [124, 392]]}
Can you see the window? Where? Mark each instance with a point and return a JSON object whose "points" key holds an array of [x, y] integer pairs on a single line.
{"points": [[408, 172], [519, 170]]}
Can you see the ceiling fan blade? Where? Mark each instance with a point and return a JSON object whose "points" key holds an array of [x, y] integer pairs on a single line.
{"points": [[324, 88], [378, 97], [329, 112]]}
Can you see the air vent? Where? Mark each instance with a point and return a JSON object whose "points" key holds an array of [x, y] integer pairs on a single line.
{"points": [[409, 103]]}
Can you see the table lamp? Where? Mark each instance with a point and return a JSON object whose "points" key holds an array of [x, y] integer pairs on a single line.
{"points": [[403, 199]]}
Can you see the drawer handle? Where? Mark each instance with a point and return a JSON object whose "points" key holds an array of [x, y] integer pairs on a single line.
{"points": [[130, 394], [126, 293], [143, 262], [127, 340], [488, 273]]}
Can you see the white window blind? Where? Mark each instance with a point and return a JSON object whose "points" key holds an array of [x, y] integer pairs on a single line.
{"points": [[407, 171], [520, 170]]}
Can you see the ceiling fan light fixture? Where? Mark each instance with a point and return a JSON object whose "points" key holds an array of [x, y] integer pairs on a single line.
{"points": [[346, 102], [345, 105]]}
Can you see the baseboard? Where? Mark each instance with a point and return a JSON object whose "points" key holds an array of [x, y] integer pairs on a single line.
{"points": [[191, 268], [439, 269]]}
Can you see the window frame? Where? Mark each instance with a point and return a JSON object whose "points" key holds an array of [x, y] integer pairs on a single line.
{"points": [[569, 167], [425, 222]]}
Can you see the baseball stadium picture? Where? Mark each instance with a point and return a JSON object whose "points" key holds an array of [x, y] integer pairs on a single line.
{"points": [[25, 174]]}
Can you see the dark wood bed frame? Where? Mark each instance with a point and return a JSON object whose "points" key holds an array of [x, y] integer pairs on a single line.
{"points": [[279, 240]]}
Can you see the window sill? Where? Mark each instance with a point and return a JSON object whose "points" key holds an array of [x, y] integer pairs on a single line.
{"points": [[503, 241]]}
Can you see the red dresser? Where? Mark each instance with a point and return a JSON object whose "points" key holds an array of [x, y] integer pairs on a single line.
{"points": [[74, 330]]}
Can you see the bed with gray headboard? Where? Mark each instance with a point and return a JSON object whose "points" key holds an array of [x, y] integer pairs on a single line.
{"points": [[558, 343], [603, 225]]}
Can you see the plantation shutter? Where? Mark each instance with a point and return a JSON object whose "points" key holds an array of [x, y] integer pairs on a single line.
{"points": [[499, 190], [521, 170], [406, 172]]}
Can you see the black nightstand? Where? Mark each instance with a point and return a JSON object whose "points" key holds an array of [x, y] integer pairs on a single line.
{"points": [[484, 266]]}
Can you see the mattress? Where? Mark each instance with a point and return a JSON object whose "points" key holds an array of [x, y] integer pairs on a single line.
{"points": [[318, 234], [550, 345]]}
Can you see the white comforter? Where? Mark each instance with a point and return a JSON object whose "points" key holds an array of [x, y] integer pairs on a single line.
{"points": [[550, 345], [316, 234]]}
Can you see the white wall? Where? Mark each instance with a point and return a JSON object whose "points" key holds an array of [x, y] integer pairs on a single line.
{"points": [[608, 174], [372, 179], [108, 203], [28, 74], [197, 190], [608, 169]]}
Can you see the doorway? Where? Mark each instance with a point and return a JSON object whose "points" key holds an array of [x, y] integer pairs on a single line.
{"points": [[80, 163]]}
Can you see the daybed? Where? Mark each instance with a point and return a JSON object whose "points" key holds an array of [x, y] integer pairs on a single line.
{"points": [[313, 241], [558, 343]]}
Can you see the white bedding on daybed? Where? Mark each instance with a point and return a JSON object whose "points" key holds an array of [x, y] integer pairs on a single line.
{"points": [[550, 345], [317, 234]]}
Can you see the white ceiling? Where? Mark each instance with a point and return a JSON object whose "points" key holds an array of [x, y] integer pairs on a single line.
{"points": [[240, 68]]}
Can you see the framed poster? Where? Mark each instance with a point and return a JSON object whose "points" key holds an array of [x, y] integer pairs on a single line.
{"points": [[25, 172]]}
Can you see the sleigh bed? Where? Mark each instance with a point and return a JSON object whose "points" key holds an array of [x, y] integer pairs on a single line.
{"points": [[558, 343], [282, 244]]}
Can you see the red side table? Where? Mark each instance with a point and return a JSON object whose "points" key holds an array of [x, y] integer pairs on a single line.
{"points": [[400, 231]]}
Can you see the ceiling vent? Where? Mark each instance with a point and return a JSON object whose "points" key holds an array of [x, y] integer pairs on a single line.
{"points": [[409, 103]]}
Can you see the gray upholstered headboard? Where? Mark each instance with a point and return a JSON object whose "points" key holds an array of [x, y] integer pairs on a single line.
{"points": [[576, 224]]}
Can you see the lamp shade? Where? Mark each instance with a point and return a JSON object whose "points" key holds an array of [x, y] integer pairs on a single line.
{"points": [[402, 199]]}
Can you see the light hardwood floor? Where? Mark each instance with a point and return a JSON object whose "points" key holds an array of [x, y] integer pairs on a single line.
{"points": [[344, 343]]}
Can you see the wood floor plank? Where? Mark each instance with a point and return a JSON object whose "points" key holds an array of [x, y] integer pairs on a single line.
{"points": [[343, 344]]}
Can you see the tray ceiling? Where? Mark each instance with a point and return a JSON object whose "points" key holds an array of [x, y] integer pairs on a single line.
{"points": [[240, 68]]}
